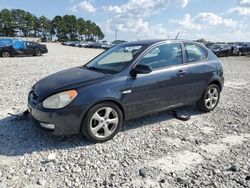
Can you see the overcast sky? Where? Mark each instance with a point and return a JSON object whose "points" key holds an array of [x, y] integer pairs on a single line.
{"points": [[215, 20]]}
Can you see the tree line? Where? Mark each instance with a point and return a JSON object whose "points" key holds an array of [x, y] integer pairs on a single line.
{"points": [[17, 22]]}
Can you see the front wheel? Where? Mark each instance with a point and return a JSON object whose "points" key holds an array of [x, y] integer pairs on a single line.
{"points": [[102, 122], [210, 98], [38, 53]]}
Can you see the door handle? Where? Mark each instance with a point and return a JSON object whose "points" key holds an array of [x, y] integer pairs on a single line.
{"points": [[181, 73]]}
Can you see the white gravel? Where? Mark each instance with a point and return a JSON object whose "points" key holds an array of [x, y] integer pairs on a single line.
{"points": [[209, 150]]}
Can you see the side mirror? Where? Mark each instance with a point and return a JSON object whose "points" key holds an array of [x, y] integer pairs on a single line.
{"points": [[141, 69]]}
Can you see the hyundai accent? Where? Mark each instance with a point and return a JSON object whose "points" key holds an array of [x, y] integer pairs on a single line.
{"points": [[128, 81]]}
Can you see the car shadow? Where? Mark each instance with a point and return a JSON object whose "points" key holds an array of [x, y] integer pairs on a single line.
{"points": [[190, 110], [18, 136]]}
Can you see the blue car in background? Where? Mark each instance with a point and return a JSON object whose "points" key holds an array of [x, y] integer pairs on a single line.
{"points": [[17, 47]]}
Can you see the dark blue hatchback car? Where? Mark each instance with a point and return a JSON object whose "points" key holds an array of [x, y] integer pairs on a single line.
{"points": [[128, 81]]}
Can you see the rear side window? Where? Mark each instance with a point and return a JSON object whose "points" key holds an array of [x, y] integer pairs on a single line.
{"points": [[195, 53]]}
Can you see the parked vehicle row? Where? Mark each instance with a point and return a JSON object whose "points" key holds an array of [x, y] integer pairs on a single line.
{"points": [[225, 50], [17, 47], [241, 49], [102, 45]]}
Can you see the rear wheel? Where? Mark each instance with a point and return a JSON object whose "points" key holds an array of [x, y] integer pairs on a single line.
{"points": [[210, 98], [5, 54], [102, 122]]}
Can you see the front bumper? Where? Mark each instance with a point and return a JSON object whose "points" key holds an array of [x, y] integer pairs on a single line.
{"points": [[44, 51], [66, 121]]}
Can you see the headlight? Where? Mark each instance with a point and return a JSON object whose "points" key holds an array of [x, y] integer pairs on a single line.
{"points": [[60, 100]]}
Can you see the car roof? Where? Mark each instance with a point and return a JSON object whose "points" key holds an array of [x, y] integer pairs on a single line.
{"points": [[154, 41]]}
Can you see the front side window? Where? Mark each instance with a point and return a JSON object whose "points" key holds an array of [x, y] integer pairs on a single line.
{"points": [[116, 59], [163, 56], [195, 53]]}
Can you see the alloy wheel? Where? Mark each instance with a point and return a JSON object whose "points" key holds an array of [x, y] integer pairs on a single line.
{"points": [[212, 98], [38, 53], [104, 122]]}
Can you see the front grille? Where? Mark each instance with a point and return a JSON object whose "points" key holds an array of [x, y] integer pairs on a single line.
{"points": [[33, 97]]}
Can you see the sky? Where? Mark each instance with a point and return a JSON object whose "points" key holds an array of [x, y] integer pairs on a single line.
{"points": [[214, 20]]}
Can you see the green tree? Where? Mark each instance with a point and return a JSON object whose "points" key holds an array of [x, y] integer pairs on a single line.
{"points": [[36, 27], [19, 17], [70, 26], [7, 23], [45, 26], [89, 30], [59, 28], [81, 27], [28, 24], [99, 33]]}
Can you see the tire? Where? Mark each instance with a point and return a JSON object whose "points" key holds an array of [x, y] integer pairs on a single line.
{"points": [[210, 98], [97, 125], [38, 53], [5, 54]]}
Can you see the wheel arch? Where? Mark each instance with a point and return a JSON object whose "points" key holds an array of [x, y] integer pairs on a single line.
{"points": [[216, 82], [5, 50], [115, 102]]}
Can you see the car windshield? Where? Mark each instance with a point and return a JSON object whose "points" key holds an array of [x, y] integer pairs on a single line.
{"points": [[115, 59]]}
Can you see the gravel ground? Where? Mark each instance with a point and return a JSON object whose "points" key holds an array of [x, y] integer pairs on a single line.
{"points": [[209, 150]]}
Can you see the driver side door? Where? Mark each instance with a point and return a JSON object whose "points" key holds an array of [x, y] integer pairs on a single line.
{"points": [[164, 86], [29, 48]]}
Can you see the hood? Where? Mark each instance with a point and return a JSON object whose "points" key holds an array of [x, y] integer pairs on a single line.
{"points": [[65, 80]]}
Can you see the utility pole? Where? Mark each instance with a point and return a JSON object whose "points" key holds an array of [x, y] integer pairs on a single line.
{"points": [[116, 34]]}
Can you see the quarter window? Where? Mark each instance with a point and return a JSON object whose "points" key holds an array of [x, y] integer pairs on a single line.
{"points": [[163, 56], [195, 53]]}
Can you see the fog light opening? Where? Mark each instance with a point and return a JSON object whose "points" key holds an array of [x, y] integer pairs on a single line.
{"points": [[48, 126]]}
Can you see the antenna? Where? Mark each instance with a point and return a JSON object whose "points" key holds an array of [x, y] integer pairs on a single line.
{"points": [[177, 35]]}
